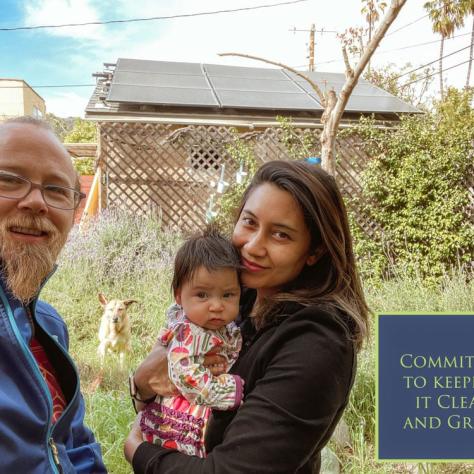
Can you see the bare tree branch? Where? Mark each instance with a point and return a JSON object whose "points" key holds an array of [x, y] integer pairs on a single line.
{"points": [[332, 124], [349, 70], [316, 88], [334, 106]]}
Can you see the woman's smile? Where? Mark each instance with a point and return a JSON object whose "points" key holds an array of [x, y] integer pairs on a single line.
{"points": [[252, 266]]}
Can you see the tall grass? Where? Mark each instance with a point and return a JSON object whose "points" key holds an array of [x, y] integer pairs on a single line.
{"points": [[131, 257], [454, 293]]}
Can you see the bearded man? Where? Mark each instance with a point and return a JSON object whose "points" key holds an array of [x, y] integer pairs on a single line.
{"points": [[42, 410]]}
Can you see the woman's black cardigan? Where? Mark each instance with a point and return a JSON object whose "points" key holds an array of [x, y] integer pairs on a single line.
{"points": [[298, 373]]}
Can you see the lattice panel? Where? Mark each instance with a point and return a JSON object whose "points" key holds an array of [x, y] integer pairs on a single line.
{"points": [[172, 170], [168, 170]]}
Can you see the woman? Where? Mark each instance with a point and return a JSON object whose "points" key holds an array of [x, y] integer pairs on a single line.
{"points": [[303, 316]]}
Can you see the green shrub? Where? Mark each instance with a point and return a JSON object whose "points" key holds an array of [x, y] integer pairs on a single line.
{"points": [[84, 166], [415, 187]]}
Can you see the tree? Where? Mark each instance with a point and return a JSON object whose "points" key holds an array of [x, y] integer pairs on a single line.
{"points": [[334, 105], [61, 126], [84, 131], [372, 10], [446, 16], [407, 83], [468, 7], [417, 188]]}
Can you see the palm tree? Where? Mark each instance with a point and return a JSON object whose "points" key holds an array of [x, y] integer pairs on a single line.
{"points": [[446, 16], [372, 10], [468, 7]]}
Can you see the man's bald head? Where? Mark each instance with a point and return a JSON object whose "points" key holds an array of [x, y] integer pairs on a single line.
{"points": [[26, 120]]}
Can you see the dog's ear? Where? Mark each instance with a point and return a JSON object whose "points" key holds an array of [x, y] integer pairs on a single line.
{"points": [[127, 303], [102, 299]]}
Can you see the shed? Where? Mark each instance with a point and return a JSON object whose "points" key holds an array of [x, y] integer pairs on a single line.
{"points": [[166, 128]]}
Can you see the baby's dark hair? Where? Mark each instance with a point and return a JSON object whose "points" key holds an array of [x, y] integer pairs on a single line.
{"points": [[208, 249]]}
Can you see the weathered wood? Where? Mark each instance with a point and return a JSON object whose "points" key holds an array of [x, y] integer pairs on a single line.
{"points": [[81, 150], [172, 172]]}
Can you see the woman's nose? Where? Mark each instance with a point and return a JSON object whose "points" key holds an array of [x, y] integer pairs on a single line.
{"points": [[255, 245]]}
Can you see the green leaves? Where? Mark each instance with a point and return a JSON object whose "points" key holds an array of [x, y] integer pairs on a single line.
{"points": [[416, 188]]}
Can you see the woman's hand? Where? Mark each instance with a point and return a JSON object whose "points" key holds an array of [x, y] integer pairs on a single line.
{"points": [[216, 363], [151, 377], [134, 439]]}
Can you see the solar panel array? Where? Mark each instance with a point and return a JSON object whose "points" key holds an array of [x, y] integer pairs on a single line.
{"points": [[217, 86]]}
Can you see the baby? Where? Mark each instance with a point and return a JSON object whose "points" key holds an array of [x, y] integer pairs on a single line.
{"points": [[207, 292]]}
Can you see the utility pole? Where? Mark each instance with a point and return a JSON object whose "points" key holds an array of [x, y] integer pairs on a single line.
{"points": [[311, 47], [312, 32]]}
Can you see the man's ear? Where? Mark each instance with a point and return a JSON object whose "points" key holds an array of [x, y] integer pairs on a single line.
{"points": [[102, 299], [127, 303], [177, 296]]}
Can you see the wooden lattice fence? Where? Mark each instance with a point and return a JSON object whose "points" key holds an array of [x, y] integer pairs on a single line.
{"points": [[173, 170]]}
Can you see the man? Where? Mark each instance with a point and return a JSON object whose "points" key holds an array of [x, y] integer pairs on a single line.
{"points": [[42, 411]]}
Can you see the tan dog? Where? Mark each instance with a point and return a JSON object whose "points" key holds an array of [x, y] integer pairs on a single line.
{"points": [[114, 331]]}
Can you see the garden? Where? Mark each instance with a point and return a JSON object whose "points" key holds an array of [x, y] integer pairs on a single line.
{"points": [[417, 187]]}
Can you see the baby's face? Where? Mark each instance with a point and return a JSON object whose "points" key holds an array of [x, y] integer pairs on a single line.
{"points": [[211, 299]]}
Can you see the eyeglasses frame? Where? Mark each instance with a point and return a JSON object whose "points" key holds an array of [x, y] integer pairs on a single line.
{"points": [[41, 187]]}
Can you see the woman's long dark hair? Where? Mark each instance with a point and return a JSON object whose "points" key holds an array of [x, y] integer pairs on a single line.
{"points": [[333, 280]]}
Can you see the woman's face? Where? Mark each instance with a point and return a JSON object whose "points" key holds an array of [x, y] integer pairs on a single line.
{"points": [[273, 239]]}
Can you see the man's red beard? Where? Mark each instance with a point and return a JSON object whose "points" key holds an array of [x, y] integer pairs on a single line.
{"points": [[28, 264]]}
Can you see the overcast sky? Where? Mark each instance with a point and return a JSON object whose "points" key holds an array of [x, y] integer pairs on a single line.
{"points": [[58, 56]]}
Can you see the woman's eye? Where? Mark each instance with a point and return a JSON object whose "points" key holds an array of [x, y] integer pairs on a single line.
{"points": [[248, 221], [281, 235]]}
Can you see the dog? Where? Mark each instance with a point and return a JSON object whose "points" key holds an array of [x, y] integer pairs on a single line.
{"points": [[114, 331]]}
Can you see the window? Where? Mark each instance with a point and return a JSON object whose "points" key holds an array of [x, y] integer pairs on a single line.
{"points": [[37, 112], [204, 158]]}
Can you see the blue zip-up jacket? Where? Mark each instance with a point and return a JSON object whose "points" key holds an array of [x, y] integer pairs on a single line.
{"points": [[29, 443]]}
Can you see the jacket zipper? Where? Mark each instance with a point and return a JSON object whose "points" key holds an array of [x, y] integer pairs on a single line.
{"points": [[38, 374], [54, 450]]}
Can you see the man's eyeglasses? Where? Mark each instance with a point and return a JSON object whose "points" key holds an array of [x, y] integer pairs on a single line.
{"points": [[13, 186]]}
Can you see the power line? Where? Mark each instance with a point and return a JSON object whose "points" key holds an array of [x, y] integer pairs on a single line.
{"points": [[407, 25], [432, 62], [384, 51], [138, 72], [416, 21], [43, 86], [153, 18], [436, 73]]}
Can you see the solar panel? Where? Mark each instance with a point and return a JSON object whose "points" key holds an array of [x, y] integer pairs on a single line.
{"points": [[158, 66], [267, 100], [246, 84], [213, 85], [249, 72], [161, 95], [160, 79]]}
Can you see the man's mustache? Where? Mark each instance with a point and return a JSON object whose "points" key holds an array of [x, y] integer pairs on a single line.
{"points": [[36, 223]]}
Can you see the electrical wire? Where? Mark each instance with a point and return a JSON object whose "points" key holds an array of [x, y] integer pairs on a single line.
{"points": [[384, 51], [435, 73], [153, 18], [407, 25], [432, 62], [138, 72], [52, 85]]}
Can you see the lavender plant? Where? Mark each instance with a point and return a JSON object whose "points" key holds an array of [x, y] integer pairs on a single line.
{"points": [[123, 256]]}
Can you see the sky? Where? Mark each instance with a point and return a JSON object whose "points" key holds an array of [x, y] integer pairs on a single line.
{"points": [[66, 56]]}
